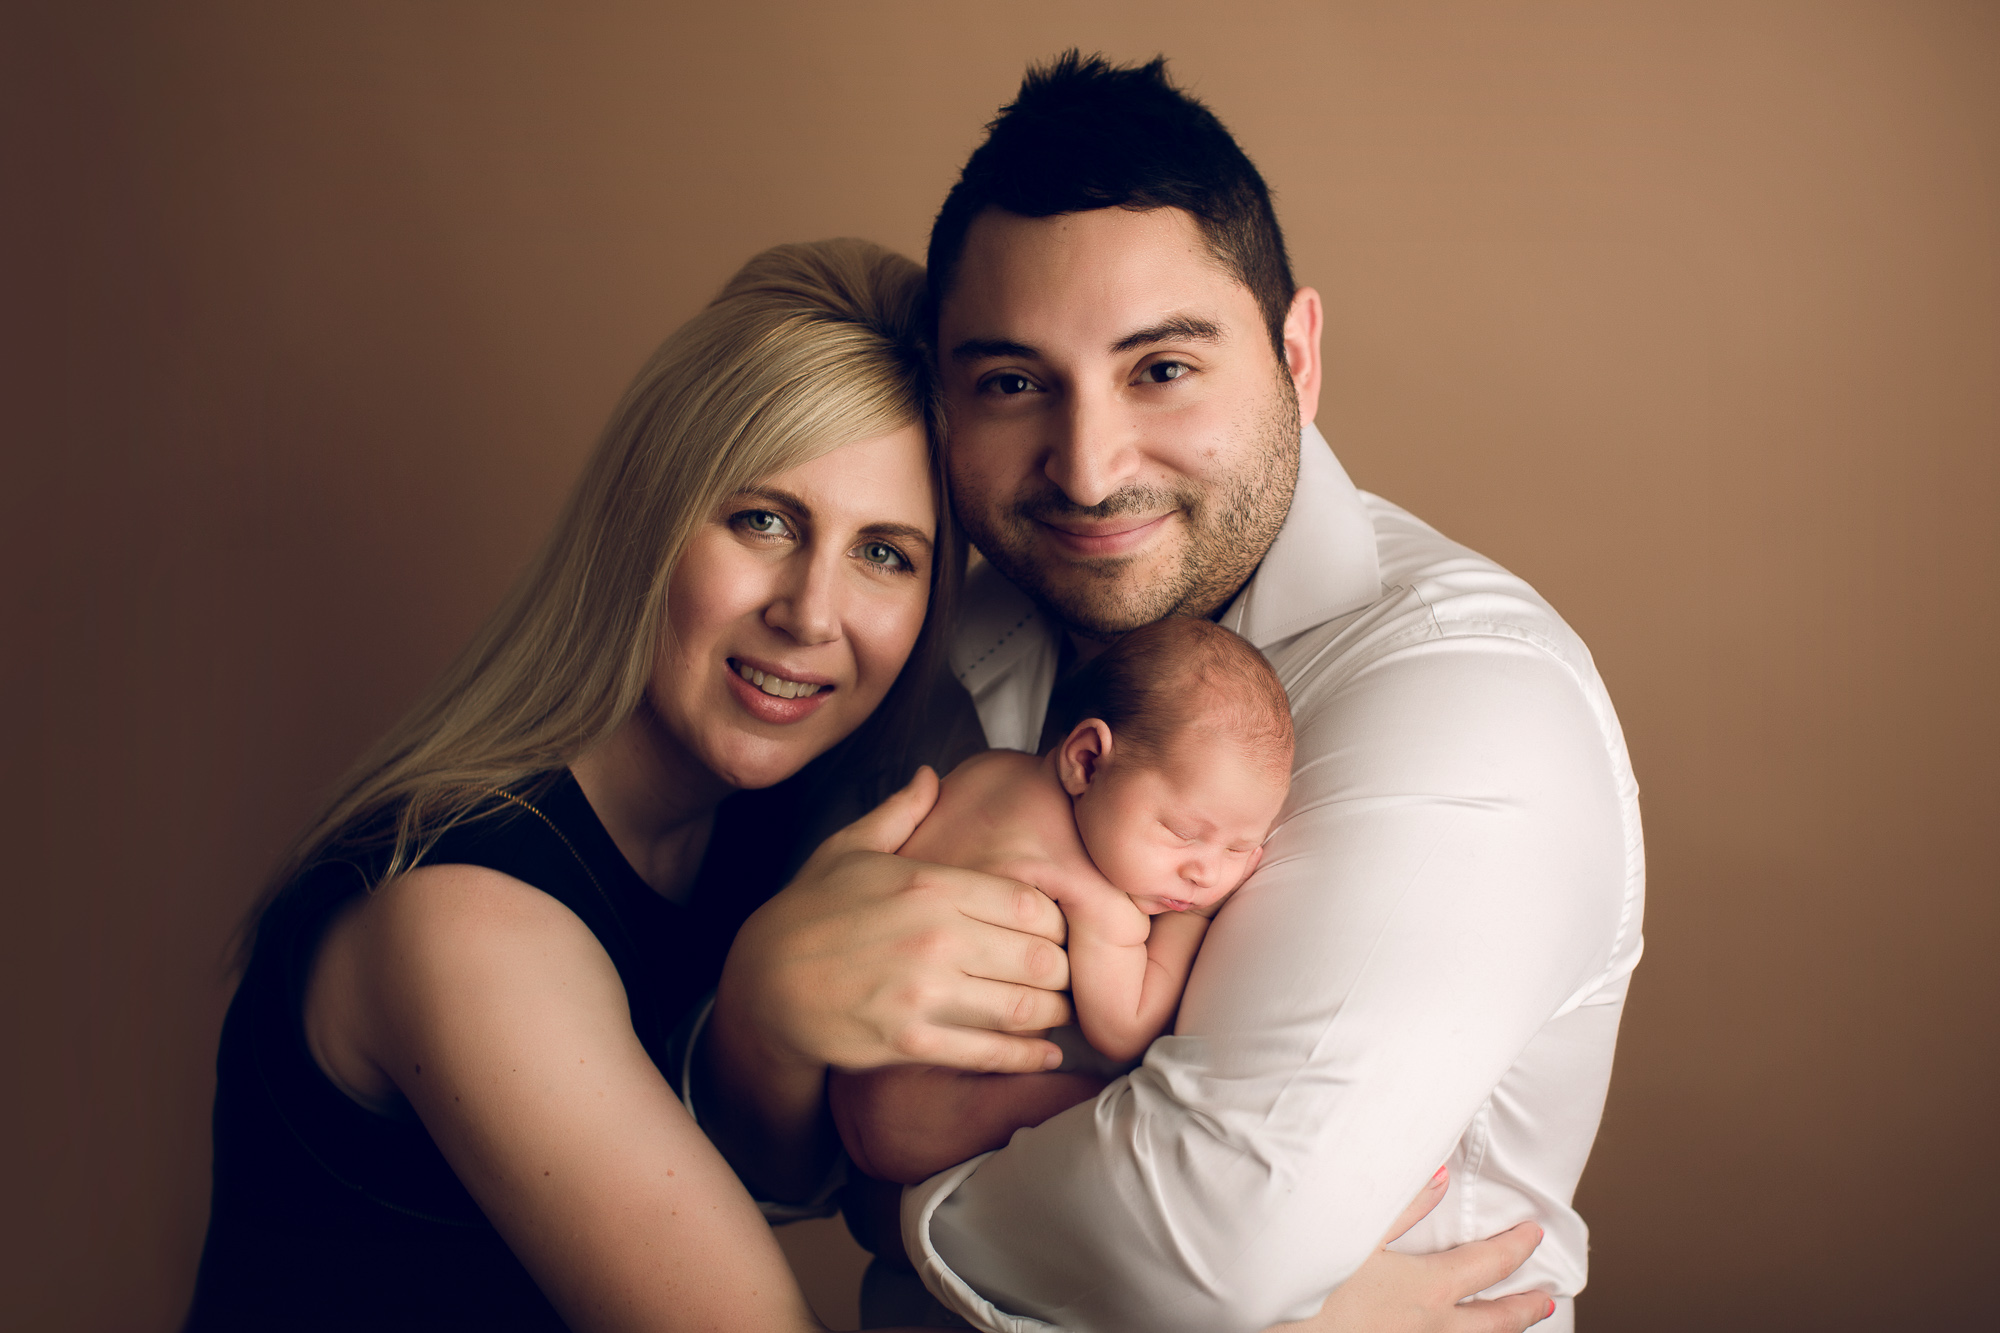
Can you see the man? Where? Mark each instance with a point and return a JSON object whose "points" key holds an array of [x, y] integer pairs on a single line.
{"points": [[1430, 964]]}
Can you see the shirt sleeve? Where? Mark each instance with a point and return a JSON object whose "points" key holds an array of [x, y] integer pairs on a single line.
{"points": [[1449, 876]]}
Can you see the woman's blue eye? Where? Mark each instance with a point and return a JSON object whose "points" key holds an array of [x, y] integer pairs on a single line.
{"points": [[1160, 372], [881, 553], [762, 521]]}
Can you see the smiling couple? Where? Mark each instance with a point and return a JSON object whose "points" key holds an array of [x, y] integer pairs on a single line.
{"points": [[472, 1076]]}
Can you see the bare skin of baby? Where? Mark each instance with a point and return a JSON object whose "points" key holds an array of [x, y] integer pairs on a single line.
{"points": [[1139, 849]]}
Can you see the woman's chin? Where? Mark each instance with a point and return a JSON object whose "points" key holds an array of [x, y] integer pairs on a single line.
{"points": [[760, 761]]}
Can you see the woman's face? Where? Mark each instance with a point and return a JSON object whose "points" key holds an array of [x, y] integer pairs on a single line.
{"points": [[794, 607]]}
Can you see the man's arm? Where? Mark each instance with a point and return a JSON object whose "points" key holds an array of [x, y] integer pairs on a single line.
{"points": [[1449, 876]]}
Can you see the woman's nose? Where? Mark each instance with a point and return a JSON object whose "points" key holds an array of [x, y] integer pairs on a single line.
{"points": [[806, 606]]}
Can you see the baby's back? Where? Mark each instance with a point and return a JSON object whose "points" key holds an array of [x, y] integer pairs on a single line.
{"points": [[1000, 812]]}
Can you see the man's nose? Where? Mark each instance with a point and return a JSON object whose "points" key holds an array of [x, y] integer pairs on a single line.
{"points": [[1095, 449], [806, 604]]}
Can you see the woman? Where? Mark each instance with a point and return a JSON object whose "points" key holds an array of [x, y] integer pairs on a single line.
{"points": [[441, 1100]]}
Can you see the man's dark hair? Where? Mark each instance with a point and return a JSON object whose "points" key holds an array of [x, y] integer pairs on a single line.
{"points": [[1085, 134]]}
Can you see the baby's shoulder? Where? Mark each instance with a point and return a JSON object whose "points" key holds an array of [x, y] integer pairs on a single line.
{"points": [[992, 766], [1004, 802], [994, 786]]}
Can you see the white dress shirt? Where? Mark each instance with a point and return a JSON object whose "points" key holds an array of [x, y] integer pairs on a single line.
{"points": [[1428, 967]]}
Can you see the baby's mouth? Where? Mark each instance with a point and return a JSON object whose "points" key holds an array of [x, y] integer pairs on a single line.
{"points": [[776, 686]]}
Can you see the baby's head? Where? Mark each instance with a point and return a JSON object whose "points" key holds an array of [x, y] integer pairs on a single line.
{"points": [[1180, 763]]}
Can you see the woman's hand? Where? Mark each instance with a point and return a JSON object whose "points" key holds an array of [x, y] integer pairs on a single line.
{"points": [[868, 959], [1420, 1293]]}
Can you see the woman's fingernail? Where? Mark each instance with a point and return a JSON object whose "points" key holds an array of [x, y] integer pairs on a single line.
{"points": [[1552, 1308], [1443, 1174]]}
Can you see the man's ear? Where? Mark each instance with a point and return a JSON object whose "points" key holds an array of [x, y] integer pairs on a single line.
{"points": [[1082, 754], [1302, 331]]}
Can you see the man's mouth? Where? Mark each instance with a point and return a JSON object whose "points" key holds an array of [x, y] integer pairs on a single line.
{"points": [[1115, 538], [778, 687]]}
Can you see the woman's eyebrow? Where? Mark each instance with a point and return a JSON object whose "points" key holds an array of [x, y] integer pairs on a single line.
{"points": [[900, 531], [784, 499]]}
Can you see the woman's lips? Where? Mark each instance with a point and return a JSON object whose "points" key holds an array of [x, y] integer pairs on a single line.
{"points": [[1101, 543], [775, 708]]}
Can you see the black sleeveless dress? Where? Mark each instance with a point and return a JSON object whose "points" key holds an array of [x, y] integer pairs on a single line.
{"points": [[329, 1216]]}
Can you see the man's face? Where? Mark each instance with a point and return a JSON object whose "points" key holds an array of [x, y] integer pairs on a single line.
{"points": [[1123, 439]]}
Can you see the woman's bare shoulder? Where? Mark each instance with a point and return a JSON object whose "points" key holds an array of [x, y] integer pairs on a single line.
{"points": [[413, 955]]}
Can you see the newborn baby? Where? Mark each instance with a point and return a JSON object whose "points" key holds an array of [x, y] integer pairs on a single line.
{"points": [[1147, 814], [1139, 822]]}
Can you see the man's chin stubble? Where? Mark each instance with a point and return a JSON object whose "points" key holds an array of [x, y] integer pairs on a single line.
{"points": [[1102, 599]]}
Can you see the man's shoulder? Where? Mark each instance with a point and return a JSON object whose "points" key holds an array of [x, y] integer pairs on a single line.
{"points": [[1436, 588], [1452, 621]]}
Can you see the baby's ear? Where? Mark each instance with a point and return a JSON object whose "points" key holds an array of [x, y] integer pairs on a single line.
{"points": [[1082, 753]]}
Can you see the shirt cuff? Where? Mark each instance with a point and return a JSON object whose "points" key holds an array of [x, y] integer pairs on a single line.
{"points": [[919, 1202]]}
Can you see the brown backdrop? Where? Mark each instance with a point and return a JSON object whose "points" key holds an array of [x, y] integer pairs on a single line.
{"points": [[1689, 312]]}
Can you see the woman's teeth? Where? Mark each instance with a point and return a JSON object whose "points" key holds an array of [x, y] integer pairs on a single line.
{"points": [[777, 685]]}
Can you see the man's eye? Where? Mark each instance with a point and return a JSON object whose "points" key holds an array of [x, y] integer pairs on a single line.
{"points": [[883, 554], [1162, 371], [762, 522], [1008, 383]]}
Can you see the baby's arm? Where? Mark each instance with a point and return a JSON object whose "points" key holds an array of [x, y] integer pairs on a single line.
{"points": [[1127, 970]]}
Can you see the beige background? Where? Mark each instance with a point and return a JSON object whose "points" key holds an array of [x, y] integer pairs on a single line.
{"points": [[1689, 312]]}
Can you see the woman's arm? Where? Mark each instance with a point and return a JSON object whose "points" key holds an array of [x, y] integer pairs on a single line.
{"points": [[496, 1013], [906, 1123]]}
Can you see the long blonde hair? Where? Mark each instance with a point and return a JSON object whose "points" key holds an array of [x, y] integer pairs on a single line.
{"points": [[808, 347]]}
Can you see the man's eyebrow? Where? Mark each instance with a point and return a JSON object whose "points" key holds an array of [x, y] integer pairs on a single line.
{"points": [[982, 349], [1180, 328]]}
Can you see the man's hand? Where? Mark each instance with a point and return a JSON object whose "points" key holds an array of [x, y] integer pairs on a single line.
{"points": [[869, 959], [1420, 1293]]}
